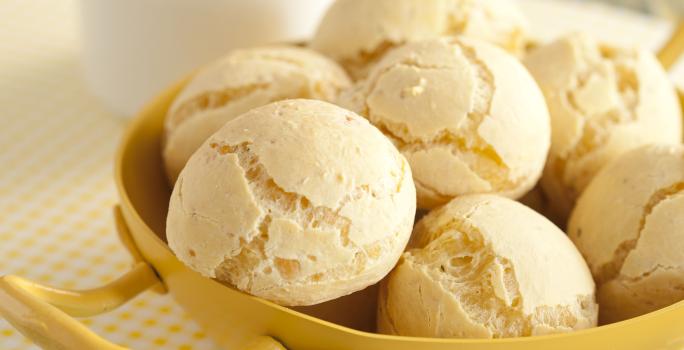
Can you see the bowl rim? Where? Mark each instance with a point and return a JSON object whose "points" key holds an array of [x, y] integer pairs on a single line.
{"points": [[171, 91]]}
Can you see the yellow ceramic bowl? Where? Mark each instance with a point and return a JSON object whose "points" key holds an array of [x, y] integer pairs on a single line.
{"points": [[236, 320], [239, 321]]}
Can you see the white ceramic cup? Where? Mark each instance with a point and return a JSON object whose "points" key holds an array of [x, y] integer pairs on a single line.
{"points": [[132, 49]]}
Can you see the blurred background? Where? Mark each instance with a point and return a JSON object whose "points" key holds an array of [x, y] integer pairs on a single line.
{"points": [[73, 72], [127, 57], [669, 9]]}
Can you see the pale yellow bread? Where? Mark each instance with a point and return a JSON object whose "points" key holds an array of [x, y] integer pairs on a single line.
{"points": [[629, 225], [298, 202], [357, 33], [467, 115], [485, 266], [238, 82], [603, 101]]}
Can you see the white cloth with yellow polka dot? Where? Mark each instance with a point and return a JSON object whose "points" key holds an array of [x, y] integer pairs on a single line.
{"points": [[56, 187], [56, 184]]}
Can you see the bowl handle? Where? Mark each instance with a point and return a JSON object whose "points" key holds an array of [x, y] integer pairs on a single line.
{"points": [[673, 49], [43, 314]]}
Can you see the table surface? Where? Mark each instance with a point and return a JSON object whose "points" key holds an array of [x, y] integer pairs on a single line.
{"points": [[56, 148]]}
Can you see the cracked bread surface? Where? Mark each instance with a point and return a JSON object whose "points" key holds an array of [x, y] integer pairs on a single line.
{"points": [[298, 202], [357, 33], [240, 81], [603, 101], [467, 116], [485, 266], [628, 225]]}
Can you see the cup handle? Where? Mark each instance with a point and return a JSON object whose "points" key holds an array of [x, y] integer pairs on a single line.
{"points": [[674, 48]]}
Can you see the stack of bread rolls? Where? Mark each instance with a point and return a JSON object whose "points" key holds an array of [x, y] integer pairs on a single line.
{"points": [[298, 172]]}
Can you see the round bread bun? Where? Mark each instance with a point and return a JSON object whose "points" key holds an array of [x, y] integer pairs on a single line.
{"points": [[485, 266], [297, 202], [467, 115], [629, 224], [603, 101], [357, 33], [240, 81]]}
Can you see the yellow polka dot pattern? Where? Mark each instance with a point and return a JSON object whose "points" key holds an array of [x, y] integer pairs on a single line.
{"points": [[56, 189], [56, 186]]}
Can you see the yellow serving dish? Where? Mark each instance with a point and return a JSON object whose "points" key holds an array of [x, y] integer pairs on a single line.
{"points": [[239, 321]]}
